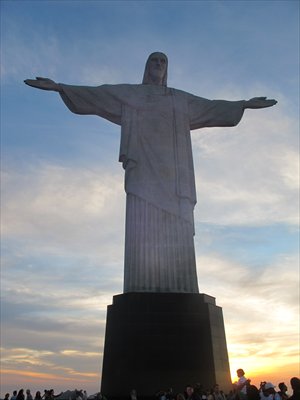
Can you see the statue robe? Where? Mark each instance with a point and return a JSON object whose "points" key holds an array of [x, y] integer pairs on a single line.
{"points": [[156, 153]]}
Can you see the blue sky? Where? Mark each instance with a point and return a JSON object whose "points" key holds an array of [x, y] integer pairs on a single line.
{"points": [[62, 186]]}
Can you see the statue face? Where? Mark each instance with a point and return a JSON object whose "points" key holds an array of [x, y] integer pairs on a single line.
{"points": [[157, 67]]}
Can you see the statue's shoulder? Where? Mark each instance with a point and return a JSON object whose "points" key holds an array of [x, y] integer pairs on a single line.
{"points": [[139, 92], [180, 93], [141, 88], [122, 88]]}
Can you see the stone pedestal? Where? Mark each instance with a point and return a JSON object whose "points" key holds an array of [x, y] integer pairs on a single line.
{"points": [[156, 341]]}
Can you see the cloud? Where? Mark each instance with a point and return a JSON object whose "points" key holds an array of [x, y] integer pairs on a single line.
{"points": [[260, 310], [59, 207], [249, 174]]}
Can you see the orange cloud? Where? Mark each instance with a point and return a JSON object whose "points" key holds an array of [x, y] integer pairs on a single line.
{"points": [[77, 376]]}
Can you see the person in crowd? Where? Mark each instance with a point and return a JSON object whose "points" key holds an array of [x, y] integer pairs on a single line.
{"points": [[233, 395], [283, 391], [267, 391], [20, 395], [38, 396], [216, 393], [53, 396], [199, 392], [295, 384], [179, 396], [252, 392], [28, 395], [84, 395], [204, 395], [14, 396], [189, 393], [241, 385], [6, 397], [161, 395], [133, 394], [46, 395], [169, 394], [78, 394], [210, 395]]}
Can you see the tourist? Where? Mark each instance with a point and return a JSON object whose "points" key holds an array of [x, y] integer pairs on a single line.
{"points": [[268, 392], [295, 383], [241, 385], [38, 396], [217, 394], [189, 393], [252, 392], [20, 395], [28, 395], [283, 391], [198, 392]]}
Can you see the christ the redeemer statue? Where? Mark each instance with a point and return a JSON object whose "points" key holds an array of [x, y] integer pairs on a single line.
{"points": [[156, 153]]}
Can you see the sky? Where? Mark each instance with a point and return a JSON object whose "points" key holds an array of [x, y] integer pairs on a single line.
{"points": [[63, 201]]}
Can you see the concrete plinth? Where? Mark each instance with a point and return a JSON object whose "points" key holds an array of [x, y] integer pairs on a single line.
{"points": [[154, 341]]}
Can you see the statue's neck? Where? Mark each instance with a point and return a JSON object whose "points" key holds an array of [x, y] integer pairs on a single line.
{"points": [[153, 80]]}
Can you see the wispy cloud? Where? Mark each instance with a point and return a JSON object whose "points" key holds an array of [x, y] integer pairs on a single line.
{"points": [[63, 206], [239, 180], [261, 318]]}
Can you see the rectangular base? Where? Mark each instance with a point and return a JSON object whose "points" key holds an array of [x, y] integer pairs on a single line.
{"points": [[156, 341]]}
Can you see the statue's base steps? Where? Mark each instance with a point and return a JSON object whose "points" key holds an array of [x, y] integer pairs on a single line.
{"points": [[156, 341]]}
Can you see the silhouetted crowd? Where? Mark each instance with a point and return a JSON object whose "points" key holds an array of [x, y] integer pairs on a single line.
{"points": [[241, 390], [48, 395]]}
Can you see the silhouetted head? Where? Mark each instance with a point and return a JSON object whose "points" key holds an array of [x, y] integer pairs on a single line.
{"points": [[252, 393], [282, 386], [156, 70], [295, 383]]}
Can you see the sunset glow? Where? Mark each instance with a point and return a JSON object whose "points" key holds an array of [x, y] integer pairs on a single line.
{"points": [[63, 200]]}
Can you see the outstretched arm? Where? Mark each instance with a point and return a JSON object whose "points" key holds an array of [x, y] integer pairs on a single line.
{"points": [[259, 102], [210, 113], [105, 100], [43, 83]]}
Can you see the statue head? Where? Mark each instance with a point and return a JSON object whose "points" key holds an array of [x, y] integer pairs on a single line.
{"points": [[156, 70]]}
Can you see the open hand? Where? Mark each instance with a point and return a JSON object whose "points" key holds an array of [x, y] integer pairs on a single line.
{"points": [[260, 102], [42, 83]]}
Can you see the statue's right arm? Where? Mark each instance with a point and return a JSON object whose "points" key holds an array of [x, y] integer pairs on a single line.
{"points": [[104, 101], [43, 83]]}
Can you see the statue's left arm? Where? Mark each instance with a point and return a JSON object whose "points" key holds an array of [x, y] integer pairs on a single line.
{"points": [[259, 102], [210, 113]]}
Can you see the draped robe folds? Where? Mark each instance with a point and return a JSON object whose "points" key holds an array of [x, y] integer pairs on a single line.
{"points": [[156, 153]]}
